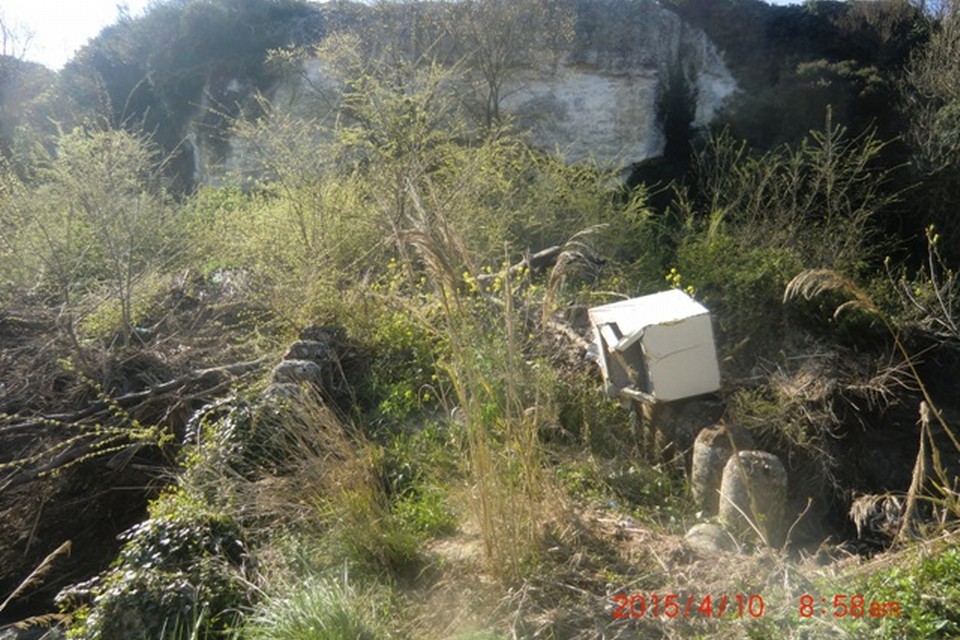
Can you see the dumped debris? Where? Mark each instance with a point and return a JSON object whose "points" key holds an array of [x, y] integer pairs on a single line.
{"points": [[656, 348]]}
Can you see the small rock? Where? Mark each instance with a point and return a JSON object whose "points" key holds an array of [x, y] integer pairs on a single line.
{"points": [[30, 633], [708, 538], [311, 350], [280, 392]]}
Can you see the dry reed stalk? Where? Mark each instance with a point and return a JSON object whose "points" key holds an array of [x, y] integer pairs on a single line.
{"points": [[36, 576], [916, 481]]}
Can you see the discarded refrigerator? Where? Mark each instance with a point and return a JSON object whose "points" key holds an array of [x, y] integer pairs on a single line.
{"points": [[656, 348]]}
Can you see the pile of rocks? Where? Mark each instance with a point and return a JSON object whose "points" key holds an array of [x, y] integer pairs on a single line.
{"points": [[319, 361], [745, 488]]}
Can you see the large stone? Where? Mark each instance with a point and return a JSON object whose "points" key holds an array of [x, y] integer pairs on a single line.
{"points": [[711, 450], [753, 496]]}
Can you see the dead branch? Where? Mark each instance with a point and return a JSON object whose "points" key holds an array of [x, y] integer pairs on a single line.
{"points": [[535, 262], [195, 381], [198, 383]]}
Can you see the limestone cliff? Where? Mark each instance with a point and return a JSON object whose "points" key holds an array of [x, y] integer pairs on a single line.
{"points": [[603, 98], [603, 101]]}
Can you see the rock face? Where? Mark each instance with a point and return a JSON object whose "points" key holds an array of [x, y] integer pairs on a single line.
{"points": [[600, 99], [602, 102]]}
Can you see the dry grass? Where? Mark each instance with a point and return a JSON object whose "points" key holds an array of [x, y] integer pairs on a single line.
{"points": [[36, 576], [929, 476], [589, 558]]}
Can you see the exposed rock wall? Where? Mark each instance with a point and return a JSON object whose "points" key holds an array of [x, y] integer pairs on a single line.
{"points": [[602, 101]]}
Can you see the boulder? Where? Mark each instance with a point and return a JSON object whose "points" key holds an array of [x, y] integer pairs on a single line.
{"points": [[754, 486], [298, 372], [711, 450], [710, 539]]}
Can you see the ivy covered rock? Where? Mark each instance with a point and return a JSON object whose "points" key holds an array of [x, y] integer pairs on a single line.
{"points": [[182, 568]]}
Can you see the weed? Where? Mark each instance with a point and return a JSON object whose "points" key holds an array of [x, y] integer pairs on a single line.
{"points": [[919, 598], [317, 609]]}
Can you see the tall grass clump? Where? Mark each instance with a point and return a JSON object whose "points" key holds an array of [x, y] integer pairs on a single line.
{"points": [[317, 609]]}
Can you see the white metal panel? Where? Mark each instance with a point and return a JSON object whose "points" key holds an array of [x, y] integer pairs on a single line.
{"points": [[675, 356], [681, 359]]}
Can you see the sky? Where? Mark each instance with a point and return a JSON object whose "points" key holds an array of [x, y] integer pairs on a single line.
{"points": [[60, 27]]}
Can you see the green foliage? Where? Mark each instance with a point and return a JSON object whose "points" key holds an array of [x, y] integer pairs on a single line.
{"points": [[94, 220], [926, 588], [183, 564], [367, 533], [587, 417], [742, 285], [759, 220], [241, 435], [403, 379], [425, 511], [416, 469], [317, 609], [652, 493]]}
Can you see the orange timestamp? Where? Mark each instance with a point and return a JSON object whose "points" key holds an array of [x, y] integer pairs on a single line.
{"points": [[673, 605], [843, 605]]}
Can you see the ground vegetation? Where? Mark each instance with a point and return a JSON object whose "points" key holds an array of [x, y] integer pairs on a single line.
{"points": [[345, 392]]}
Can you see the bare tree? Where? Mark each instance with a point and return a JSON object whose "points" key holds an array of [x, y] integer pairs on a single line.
{"points": [[499, 38], [14, 42]]}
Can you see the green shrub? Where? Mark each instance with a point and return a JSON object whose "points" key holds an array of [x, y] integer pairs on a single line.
{"points": [[183, 565], [415, 468], [926, 589], [425, 511], [94, 218], [653, 492]]}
